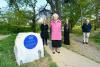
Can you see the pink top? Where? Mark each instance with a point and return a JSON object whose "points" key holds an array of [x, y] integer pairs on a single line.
{"points": [[55, 29]]}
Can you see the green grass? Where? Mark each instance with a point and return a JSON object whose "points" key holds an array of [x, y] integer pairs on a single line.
{"points": [[6, 52], [53, 65], [8, 29], [98, 29], [96, 39], [14, 29], [7, 58]]}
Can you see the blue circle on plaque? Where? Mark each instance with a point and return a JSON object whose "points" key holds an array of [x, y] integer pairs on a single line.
{"points": [[30, 41]]}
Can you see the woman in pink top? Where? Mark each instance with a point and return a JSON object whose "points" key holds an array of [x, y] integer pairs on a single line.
{"points": [[55, 26]]}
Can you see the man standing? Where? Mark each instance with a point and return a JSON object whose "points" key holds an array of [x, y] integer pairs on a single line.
{"points": [[86, 29]]}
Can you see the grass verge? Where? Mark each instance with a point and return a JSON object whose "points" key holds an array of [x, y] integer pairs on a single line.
{"points": [[7, 58]]}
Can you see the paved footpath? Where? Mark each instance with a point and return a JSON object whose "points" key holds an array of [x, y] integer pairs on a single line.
{"points": [[90, 50], [68, 58], [3, 36]]}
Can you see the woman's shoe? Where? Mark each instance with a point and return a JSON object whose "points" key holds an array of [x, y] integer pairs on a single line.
{"points": [[53, 52], [57, 51]]}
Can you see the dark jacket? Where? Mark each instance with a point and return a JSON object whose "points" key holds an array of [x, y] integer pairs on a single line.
{"points": [[86, 27], [66, 28], [44, 31]]}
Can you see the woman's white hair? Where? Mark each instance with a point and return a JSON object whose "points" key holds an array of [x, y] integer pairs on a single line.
{"points": [[55, 15]]}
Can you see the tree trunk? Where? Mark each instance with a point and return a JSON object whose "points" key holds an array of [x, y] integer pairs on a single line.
{"points": [[34, 16], [55, 7], [97, 7], [33, 24], [34, 21], [58, 7]]}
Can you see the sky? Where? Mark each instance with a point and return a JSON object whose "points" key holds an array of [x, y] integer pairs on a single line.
{"points": [[41, 3], [3, 3]]}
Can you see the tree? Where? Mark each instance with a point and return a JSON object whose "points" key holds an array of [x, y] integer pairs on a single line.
{"points": [[97, 13], [44, 12], [71, 11], [76, 10], [14, 4], [17, 4], [55, 6]]}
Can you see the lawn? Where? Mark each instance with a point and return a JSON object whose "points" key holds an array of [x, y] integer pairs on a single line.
{"points": [[96, 38], [7, 58]]}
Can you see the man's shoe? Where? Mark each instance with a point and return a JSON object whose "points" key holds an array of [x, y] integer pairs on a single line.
{"points": [[86, 42], [83, 42]]}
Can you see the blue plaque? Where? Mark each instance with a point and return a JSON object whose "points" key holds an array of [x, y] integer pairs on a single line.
{"points": [[30, 41]]}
